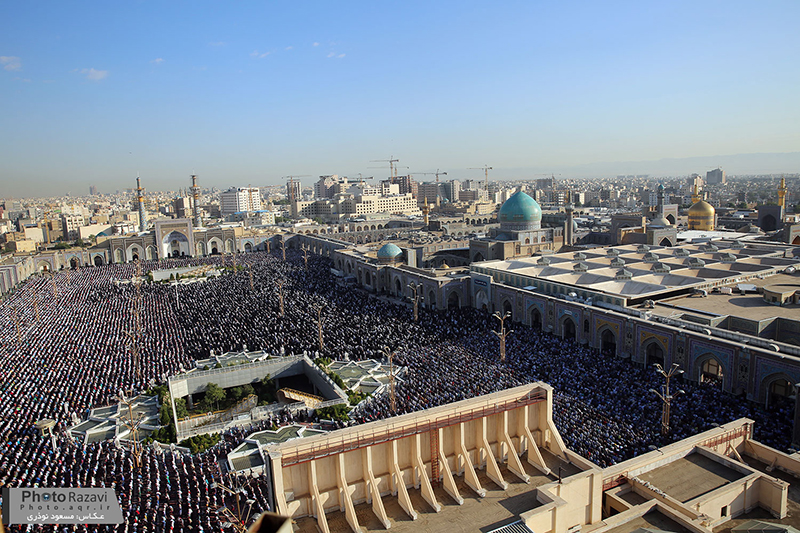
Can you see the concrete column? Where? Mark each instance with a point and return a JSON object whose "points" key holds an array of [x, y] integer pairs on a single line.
{"points": [[448, 483], [400, 485], [421, 473], [470, 476], [344, 495], [317, 508], [512, 459], [373, 490], [492, 470]]}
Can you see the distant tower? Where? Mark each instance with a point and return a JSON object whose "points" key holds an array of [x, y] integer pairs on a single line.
{"points": [[782, 195], [568, 231], [425, 210], [140, 199], [660, 219], [196, 222]]}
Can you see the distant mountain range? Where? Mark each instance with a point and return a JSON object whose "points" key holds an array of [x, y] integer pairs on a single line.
{"points": [[739, 164]]}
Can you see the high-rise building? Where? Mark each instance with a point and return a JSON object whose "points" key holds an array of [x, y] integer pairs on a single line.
{"points": [[716, 177], [70, 225], [429, 190], [92, 190], [294, 190], [238, 199], [451, 190]]}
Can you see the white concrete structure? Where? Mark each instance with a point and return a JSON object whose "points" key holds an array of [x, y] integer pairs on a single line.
{"points": [[238, 199]]}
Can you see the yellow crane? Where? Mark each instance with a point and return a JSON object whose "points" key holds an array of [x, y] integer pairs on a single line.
{"points": [[486, 169]]}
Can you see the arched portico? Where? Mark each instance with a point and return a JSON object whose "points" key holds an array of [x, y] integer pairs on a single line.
{"points": [[709, 369], [568, 328], [608, 342], [778, 390], [98, 260], [653, 352], [454, 300], [536, 318], [508, 309], [482, 300], [175, 244]]}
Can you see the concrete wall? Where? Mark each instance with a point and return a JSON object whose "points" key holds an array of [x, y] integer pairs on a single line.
{"points": [[367, 463], [234, 376]]}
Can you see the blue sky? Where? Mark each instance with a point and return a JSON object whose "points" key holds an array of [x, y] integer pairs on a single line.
{"points": [[246, 92]]}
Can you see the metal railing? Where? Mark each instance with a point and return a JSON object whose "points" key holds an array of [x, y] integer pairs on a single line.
{"points": [[307, 452], [233, 368], [742, 338]]}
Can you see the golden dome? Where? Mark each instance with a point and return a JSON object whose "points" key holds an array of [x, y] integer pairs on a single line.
{"points": [[702, 208], [701, 216]]}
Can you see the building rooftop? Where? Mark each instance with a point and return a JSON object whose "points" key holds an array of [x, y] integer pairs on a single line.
{"points": [[654, 272], [690, 477]]}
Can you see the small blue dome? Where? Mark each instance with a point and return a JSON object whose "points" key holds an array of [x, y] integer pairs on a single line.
{"points": [[389, 251], [520, 208]]}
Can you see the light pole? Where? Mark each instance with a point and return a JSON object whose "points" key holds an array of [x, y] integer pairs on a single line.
{"points": [[665, 396], [416, 288], [502, 334], [392, 398], [320, 320], [133, 427], [280, 294], [237, 521]]}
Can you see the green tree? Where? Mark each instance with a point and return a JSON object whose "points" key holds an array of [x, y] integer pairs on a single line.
{"points": [[247, 390], [334, 412], [214, 394], [235, 394], [79, 242], [180, 408]]}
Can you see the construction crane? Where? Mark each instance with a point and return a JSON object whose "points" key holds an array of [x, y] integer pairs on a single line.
{"points": [[437, 174], [392, 169], [291, 189], [486, 169]]}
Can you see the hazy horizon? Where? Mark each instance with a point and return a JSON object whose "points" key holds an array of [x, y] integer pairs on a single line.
{"points": [[248, 93]]}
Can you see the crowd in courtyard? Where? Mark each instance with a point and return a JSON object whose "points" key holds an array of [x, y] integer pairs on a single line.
{"points": [[64, 348]]}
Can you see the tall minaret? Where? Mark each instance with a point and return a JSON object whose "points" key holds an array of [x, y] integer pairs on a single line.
{"points": [[140, 199], [568, 231], [782, 195], [695, 195], [196, 222], [660, 200]]}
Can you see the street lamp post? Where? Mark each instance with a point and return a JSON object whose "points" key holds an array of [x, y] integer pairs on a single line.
{"points": [[502, 334], [133, 427], [665, 396], [416, 288], [280, 294], [392, 398], [238, 521], [320, 320], [305, 255]]}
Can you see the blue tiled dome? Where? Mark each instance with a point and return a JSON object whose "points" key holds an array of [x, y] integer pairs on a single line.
{"points": [[520, 208], [389, 251]]}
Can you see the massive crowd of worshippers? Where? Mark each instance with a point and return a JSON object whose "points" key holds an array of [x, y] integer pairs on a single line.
{"points": [[64, 348]]}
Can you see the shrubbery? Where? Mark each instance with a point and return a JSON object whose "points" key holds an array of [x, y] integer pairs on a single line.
{"points": [[201, 443]]}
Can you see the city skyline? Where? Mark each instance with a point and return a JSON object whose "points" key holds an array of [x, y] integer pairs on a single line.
{"points": [[248, 93]]}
